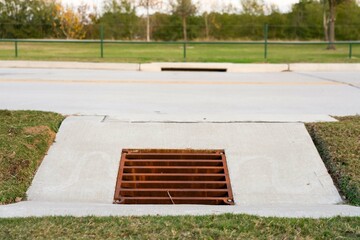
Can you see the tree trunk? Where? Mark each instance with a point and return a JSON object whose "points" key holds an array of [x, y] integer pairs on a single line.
{"points": [[184, 28], [332, 17], [325, 24], [147, 25], [206, 26]]}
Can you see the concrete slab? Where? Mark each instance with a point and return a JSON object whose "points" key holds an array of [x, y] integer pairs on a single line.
{"points": [[269, 163], [40, 209]]}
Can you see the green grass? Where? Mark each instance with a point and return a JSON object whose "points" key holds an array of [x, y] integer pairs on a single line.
{"points": [[185, 227], [235, 53], [339, 146], [25, 137]]}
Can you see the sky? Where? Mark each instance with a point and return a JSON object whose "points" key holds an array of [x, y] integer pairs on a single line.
{"points": [[284, 5]]}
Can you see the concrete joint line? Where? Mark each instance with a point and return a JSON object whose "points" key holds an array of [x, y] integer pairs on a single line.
{"points": [[330, 80], [105, 118]]}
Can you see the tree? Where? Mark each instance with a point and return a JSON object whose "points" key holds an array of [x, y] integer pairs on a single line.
{"points": [[253, 7], [119, 19], [306, 18], [149, 4], [184, 9], [25, 18], [348, 19], [332, 19], [325, 20], [206, 22], [72, 24], [166, 27]]}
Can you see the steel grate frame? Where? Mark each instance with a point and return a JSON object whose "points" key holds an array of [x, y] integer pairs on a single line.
{"points": [[176, 176]]}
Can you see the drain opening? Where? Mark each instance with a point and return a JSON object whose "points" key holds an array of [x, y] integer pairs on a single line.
{"points": [[174, 69], [173, 177]]}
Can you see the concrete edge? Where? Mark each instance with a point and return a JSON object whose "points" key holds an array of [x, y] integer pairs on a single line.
{"points": [[157, 66], [234, 119], [229, 67], [70, 65], [42, 209], [325, 67]]}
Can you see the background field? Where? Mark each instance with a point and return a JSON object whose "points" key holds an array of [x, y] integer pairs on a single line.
{"points": [[169, 52]]}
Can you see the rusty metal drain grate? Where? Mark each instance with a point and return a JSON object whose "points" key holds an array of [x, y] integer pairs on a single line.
{"points": [[173, 177]]}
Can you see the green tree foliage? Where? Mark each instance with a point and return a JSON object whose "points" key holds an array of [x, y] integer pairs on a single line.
{"points": [[348, 21], [253, 7], [307, 20], [26, 19], [120, 20], [166, 27]]}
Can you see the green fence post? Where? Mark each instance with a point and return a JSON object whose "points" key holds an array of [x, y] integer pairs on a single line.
{"points": [[102, 41], [184, 47], [16, 49], [350, 50], [266, 34]]}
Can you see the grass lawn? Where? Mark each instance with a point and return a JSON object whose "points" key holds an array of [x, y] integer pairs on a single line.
{"points": [[26, 135], [235, 53], [186, 227], [339, 146]]}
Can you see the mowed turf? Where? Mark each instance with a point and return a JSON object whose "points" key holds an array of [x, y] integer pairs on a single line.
{"points": [[174, 52], [339, 146], [184, 227], [25, 137]]}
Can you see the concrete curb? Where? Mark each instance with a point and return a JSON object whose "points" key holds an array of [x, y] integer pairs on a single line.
{"points": [[70, 65], [157, 66], [324, 67], [229, 67], [42, 209]]}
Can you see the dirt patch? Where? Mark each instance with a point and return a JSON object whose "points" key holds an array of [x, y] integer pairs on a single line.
{"points": [[37, 130]]}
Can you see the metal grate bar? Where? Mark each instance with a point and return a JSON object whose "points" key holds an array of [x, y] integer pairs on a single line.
{"points": [[173, 177]]}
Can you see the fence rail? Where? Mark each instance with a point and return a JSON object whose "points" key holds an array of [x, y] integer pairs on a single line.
{"points": [[102, 42]]}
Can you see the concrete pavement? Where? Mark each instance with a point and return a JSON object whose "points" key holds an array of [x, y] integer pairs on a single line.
{"points": [[268, 163]]}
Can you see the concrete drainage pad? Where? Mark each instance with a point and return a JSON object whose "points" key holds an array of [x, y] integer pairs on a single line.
{"points": [[274, 169], [269, 163]]}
